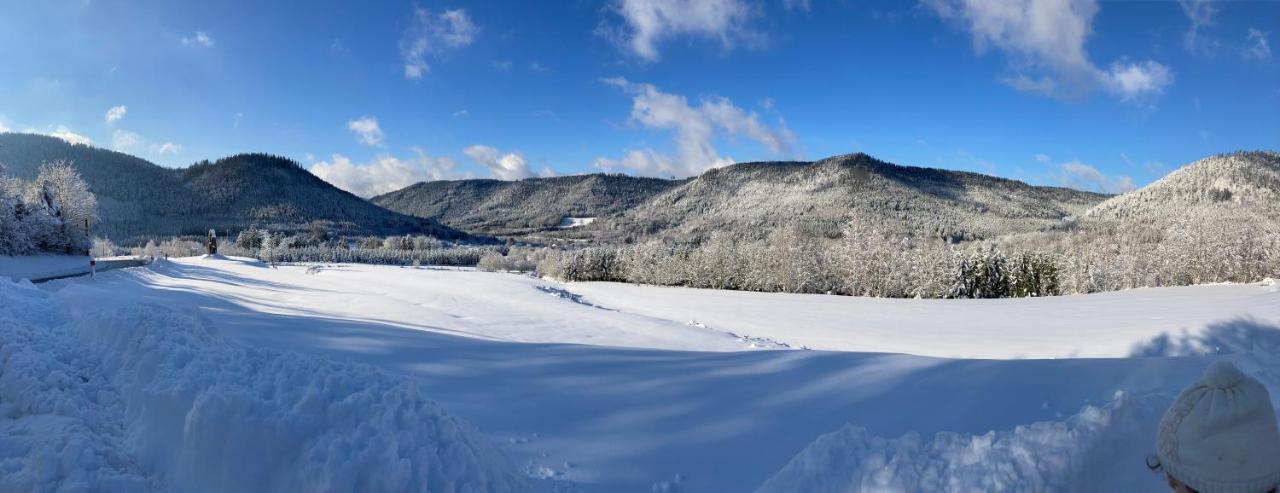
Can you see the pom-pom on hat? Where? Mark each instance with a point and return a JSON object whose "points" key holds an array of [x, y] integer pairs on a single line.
{"points": [[1220, 435]]}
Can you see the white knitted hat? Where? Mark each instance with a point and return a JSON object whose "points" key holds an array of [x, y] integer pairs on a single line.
{"points": [[1220, 436]]}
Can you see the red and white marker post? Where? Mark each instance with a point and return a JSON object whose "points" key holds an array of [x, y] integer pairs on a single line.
{"points": [[93, 268]]}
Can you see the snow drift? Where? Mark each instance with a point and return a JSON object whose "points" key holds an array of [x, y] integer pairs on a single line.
{"points": [[1097, 449], [1068, 455], [148, 398]]}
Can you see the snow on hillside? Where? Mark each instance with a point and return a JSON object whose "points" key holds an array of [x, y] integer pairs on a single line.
{"points": [[1222, 184], [574, 222], [147, 398], [668, 391]]}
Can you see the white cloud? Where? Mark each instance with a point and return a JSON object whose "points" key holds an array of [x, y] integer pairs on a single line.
{"points": [[64, 133], [461, 113], [1080, 176], [200, 38], [123, 140], [4, 127], [1137, 82], [501, 65], [510, 166], [1258, 48], [385, 173], [166, 148], [1045, 43], [1043, 158], [432, 34], [538, 67], [695, 128], [116, 113], [367, 130], [1200, 13], [648, 22]]}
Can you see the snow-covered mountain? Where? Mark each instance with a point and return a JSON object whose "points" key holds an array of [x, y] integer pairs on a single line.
{"points": [[1219, 186], [524, 206], [137, 198], [749, 200], [821, 197]]}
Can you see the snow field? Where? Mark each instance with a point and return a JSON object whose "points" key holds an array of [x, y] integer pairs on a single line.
{"points": [[148, 398], [614, 388]]}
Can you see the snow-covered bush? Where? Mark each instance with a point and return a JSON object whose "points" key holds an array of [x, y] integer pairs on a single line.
{"points": [[50, 214], [103, 247], [516, 260], [177, 247], [249, 239]]}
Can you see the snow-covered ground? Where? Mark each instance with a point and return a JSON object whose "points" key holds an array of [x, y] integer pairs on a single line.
{"points": [[606, 387], [1103, 325]]}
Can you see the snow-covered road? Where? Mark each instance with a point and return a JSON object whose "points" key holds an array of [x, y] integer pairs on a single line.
{"points": [[608, 387]]}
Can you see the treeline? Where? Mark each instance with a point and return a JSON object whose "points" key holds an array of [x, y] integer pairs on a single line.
{"points": [[317, 245], [864, 261], [49, 214]]}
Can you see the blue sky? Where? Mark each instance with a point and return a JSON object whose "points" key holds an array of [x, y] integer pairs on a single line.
{"points": [[377, 95]]}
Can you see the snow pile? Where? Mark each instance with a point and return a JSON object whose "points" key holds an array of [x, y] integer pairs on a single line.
{"points": [[1046, 456], [145, 397], [58, 429]]}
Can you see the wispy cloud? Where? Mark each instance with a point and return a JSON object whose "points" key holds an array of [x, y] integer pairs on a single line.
{"points": [[200, 39], [385, 173], [1045, 45], [509, 166], [1200, 13], [124, 140], [1257, 47], [695, 129], [804, 5], [64, 133], [116, 113], [1081, 176], [646, 23], [166, 148], [1137, 82], [431, 35], [367, 130]]}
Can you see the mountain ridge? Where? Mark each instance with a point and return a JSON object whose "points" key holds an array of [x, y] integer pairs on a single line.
{"points": [[139, 199], [816, 195]]}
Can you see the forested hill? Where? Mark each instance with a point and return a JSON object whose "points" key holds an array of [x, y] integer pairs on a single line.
{"points": [[1226, 187], [139, 199], [525, 206], [750, 200]]}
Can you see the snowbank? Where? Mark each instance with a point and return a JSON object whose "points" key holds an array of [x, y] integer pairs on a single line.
{"points": [[145, 398], [39, 266], [1064, 455]]}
